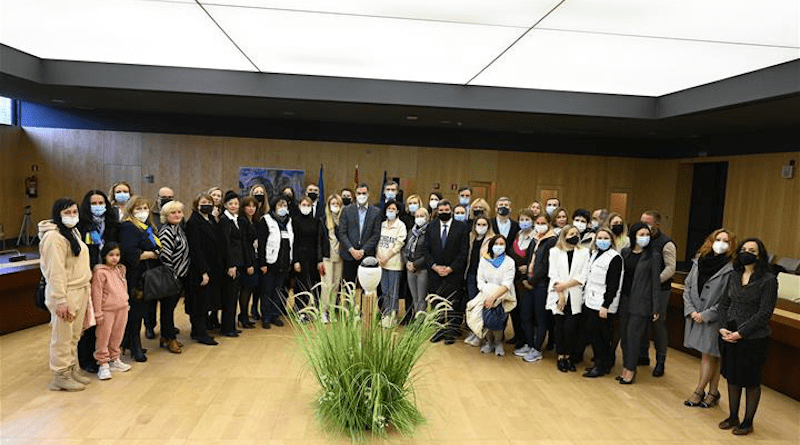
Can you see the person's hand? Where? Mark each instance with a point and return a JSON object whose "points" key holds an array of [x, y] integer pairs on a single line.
{"points": [[232, 272], [488, 303], [560, 287], [603, 312], [264, 270], [205, 280], [321, 269], [382, 261], [98, 320], [361, 254], [447, 270], [697, 317], [297, 267], [251, 270], [62, 311], [410, 266], [655, 317], [724, 333], [731, 337], [562, 301], [357, 254], [527, 285]]}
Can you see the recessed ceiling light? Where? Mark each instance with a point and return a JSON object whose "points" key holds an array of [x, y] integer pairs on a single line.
{"points": [[58, 101], [445, 122], [412, 117], [288, 113]]}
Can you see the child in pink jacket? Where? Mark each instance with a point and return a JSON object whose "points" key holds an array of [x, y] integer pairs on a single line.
{"points": [[110, 300]]}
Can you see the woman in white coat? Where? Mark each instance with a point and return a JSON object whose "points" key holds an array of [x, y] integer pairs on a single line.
{"points": [[569, 267], [496, 287]]}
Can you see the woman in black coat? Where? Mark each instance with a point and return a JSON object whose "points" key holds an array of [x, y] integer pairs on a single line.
{"points": [[640, 297], [140, 247], [205, 266], [237, 260], [98, 224], [744, 312], [307, 258]]}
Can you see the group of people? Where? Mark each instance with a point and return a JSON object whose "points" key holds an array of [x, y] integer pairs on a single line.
{"points": [[573, 280]]}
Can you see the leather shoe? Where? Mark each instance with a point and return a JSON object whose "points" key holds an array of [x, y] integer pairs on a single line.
{"points": [[265, 324], [438, 336], [449, 340], [277, 322], [739, 431], [562, 365], [208, 340], [594, 372], [230, 334], [728, 424], [658, 371], [150, 333]]}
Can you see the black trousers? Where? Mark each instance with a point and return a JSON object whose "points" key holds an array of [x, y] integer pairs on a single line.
{"points": [[450, 288], [272, 295], [516, 320], [305, 280], [350, 270], [566, 330], [599, 331], [636, 329], [659, 328], [86, 347], [199, 304], [230, 297], [167, 316], [150, 315]]}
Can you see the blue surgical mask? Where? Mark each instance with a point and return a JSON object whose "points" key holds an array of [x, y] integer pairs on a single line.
{"points": [[391, 215], [99, 210], [122, 197], [498, 250], [602, 244], [642, 241], [525, 225], [282, 211], [460, 217], [389, 195], [412, 208], [463, 201]]}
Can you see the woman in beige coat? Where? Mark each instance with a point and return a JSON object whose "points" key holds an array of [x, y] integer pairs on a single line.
{"points": [[65, 268]]}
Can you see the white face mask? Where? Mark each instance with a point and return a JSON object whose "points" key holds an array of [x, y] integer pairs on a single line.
{"points": [[334, 209], [541, 228], [412, 208], [550, 209], [361, 199], [720, 247], [420, 221], [282, 211], [69, 221], [142, 216], [580, 225], [642, 241], [463, 201], [391, 215], [434, 203], [481, 230], [305, 210]]}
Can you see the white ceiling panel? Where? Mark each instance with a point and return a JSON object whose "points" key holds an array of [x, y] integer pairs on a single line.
{"points": [[118, 31], [363, 47], [523, 13], [573, 61], [763, 22]]}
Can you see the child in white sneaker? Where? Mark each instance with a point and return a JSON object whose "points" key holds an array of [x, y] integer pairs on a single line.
{"points": [[110, 300]]}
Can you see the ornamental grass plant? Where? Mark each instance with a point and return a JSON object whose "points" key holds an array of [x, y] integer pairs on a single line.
{"points": [[365, 372]]}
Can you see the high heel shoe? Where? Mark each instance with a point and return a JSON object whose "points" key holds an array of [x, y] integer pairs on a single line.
{"points": [[622, 381], [245, 323], [710, 400], [700, 396]]}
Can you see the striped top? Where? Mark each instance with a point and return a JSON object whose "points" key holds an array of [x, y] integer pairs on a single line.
{"points": [[174, 249]]}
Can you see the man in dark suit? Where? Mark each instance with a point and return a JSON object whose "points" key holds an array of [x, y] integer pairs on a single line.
{"points": [[358, 233], [503, 224], [447, 246]]}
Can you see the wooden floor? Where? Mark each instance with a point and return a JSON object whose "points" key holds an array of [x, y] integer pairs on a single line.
{"points": [[253, 390]]}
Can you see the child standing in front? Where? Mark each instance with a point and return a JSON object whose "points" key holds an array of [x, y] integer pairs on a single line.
{"points": [[110, 300]]}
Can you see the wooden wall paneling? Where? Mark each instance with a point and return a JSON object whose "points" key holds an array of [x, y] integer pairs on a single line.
{"points": [[12, 174], [654, 187], [161, 158]]}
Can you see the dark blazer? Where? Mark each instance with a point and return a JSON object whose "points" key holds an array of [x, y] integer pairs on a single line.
{"points": [[512, 234], [416, 248], [205, 249], [348, 235], [233, 252], [308, 233], [645, 297], [133, 242], [751, 306], [110, 233], [541, 261], [454, 253]]}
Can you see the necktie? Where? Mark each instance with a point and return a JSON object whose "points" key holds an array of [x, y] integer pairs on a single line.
{"points": [[444, 236]]}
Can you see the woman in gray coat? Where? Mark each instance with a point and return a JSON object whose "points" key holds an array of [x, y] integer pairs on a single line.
{"points": [[703, 287]]}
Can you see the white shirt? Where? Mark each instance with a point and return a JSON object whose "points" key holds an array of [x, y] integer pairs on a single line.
{"points": [[504, 227], [445, 226], [232, 218]]}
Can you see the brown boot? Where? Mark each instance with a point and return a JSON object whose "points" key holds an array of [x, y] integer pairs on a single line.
{"points": [[76, 375], [172, 345], [63, 381]]}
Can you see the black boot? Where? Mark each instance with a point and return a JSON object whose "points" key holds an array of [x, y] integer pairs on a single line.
{"points": [[137, 353]]}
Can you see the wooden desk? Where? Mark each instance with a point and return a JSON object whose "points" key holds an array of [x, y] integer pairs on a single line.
{"points": [[17, 286], [783, 353]]}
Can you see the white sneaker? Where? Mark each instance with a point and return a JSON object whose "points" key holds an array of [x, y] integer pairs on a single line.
{"points": [[533, 356], [387, 321], [472, 340], [325, 318], [523, 351], [104, 373], [498, 349], [486, 349], [118, 366]]}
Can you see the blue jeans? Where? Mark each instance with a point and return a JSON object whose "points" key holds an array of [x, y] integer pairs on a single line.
{"points": [[390, 285], [472, 285]]}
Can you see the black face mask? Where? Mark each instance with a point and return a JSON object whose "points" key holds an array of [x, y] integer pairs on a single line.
{"points": [[444, 217], [206, 209], [617, 229], [477, 212], [313, 196], [573, 240], [746, 258], [503, 211], [166, 200], [288, 197], [259, 198], [346, 200]]}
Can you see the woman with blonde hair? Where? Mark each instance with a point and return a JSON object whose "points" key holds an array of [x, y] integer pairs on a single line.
{"points": [[616, 223], [216, 195], [703, 287], [479, 207], [331, 261], [119, 194], [175, 255]]}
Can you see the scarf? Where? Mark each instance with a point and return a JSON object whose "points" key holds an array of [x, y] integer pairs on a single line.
{"points": [[95, 236], [707, 266], [496, 262], [148, 230]]}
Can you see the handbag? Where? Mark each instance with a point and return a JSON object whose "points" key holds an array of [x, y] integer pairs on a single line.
{"points": [[160, 282], [38, 296], [494, 319]]}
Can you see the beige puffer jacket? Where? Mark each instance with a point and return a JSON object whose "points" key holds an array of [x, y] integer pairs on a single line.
{"points": [[62, 270]]}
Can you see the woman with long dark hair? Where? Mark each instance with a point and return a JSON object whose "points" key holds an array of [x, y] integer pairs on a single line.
{"points": [[65, 268], [98, 225], [744, 313]]}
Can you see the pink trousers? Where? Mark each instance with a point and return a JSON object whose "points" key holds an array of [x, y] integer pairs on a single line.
{"points": [[109, 335]]}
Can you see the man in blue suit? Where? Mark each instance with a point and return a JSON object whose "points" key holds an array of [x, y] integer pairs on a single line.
{"points": [[358, 233]]}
